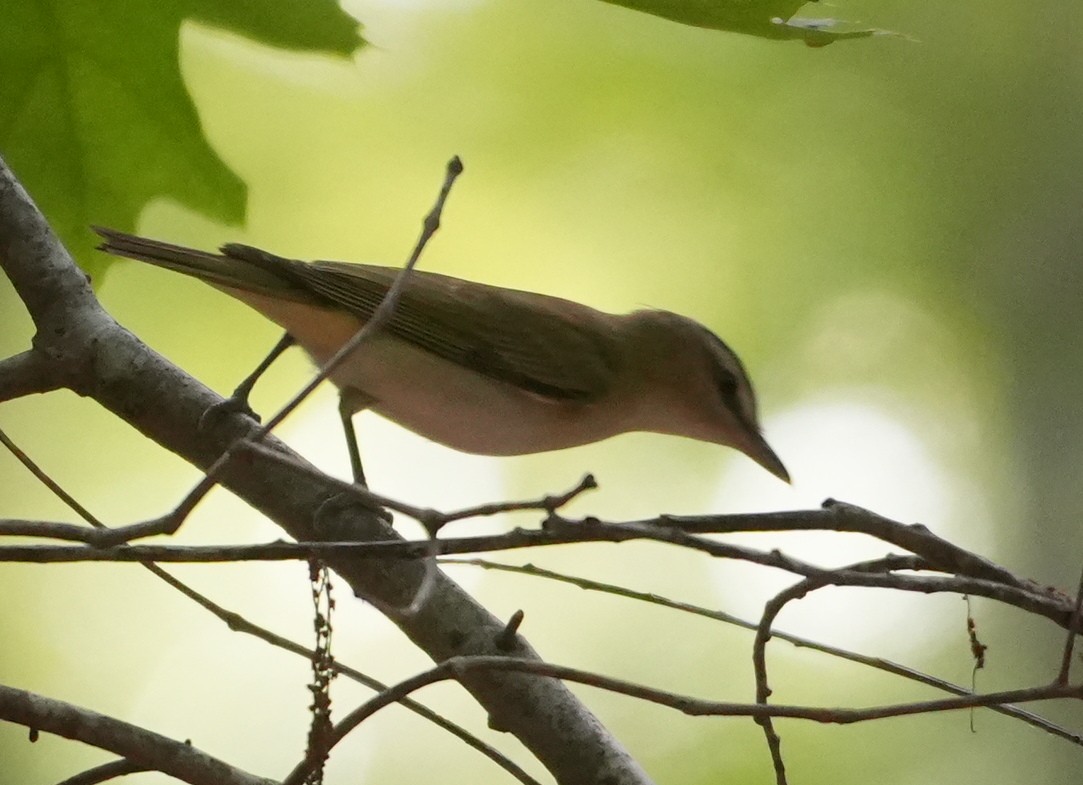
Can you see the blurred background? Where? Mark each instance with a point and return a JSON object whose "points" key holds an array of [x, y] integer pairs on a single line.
{"points": [[887, 230]]}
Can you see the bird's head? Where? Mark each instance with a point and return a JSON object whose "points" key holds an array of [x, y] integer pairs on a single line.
{"points": [[698, 387]]}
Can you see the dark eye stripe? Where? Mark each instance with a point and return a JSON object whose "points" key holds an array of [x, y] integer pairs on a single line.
{"points": [[728, 386], [727, 383], [732, 381]]}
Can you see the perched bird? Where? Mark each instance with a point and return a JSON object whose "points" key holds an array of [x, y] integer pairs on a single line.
{"points": [[484, 369]]}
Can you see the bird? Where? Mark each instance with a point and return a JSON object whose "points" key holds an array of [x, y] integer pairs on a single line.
{"points": [[485, 369]]}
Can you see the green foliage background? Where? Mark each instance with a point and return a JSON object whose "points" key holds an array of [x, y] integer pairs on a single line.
{"points": [[880, 225]]}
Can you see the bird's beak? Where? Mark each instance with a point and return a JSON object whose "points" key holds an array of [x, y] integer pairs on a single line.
{"points": [[760, 451]]}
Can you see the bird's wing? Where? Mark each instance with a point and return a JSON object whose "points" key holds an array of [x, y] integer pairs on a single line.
{"points": [[521, 338]]}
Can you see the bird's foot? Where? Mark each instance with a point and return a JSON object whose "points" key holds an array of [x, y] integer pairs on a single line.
{"points": [[234, 404]]}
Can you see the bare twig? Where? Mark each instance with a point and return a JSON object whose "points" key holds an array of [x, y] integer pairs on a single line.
{"points": [[168, 524], [386, 308], [104, 773], [456, 667], [28, 373], [798, 641], [1073, 627], [432, 520], [839, 516], [1020, 593], [133, 743], [544, 715], [44, 478], [238, 623], [549, 504], [18, 527], [764, 633]]}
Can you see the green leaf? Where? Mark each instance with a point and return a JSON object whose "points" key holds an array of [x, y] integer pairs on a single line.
{"points": [[95, 119], [761, 18]]}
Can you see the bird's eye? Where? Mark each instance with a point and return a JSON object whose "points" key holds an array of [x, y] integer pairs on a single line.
{"points": [[727, 383], [727, 388]]}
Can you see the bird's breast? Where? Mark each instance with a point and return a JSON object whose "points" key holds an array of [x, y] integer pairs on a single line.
{"points": [[439, 399], [466, 410]]}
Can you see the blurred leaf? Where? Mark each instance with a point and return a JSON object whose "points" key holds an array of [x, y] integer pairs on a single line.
{"points": [[762, 18], [95, 119]]}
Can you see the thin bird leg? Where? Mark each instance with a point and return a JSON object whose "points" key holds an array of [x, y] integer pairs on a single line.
{"points": [[244, 389], [350, 402], [238, 401]]}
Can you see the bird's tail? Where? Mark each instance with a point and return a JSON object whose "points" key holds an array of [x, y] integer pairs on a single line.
{"points": [[240, 268]]}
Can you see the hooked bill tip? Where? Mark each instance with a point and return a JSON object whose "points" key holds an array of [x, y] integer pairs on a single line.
{"points": [[760, 451], [772, 464], [780, 471]]}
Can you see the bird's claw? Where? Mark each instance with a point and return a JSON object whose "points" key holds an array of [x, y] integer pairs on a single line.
{"points": [[234, 404]]}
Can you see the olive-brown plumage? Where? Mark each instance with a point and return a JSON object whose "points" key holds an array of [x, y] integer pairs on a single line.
{"points": [[486, 369]]}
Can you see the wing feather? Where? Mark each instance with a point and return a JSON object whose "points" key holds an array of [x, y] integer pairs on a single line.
{"points": [[521, 338]]}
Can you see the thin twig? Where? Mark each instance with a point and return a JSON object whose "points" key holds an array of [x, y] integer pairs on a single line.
{"points": [[1050, 605], [104, 773], [72, 324], [432, 520], [1073, 631], [458, 667], [385, 309], [771, 610], [153, 750], [878, 663], [840, 516], [549, 504], [44, 478], [169, 523], [238, 623], [19, 527], [28, 373]]}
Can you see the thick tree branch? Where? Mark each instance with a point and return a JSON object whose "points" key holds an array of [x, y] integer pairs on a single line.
{"points": [[238, 623], [26, 374], [151, 750], [103, 361]]}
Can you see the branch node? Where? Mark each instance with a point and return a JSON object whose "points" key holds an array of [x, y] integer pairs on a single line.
{"points": [[432, 521], [120, 535], [507, 638]]}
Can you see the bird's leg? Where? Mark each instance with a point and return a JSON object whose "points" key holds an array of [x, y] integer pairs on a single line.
{"points": [[350, 402], [244, 389], [238, 401]]}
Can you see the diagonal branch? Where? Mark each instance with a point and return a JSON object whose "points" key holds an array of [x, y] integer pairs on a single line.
{"points": [[27, 374], [107, 363], [154, 751], [238, 623], [879, 663], [842, 517]]}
